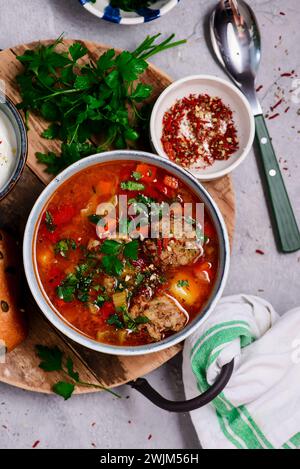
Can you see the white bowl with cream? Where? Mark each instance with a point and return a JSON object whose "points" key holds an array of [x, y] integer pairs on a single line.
{"points": [[13, 145], [230, 96]]}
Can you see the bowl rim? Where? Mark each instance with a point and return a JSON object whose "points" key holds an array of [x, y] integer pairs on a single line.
{"points": [[23, 146], [31, 267], [129, 21], [210, 78]]}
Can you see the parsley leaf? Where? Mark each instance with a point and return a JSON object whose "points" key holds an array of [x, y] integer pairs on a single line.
{"points": [[112, 265], [63, 389], [131, 250], [51, 358], [111, 246]]}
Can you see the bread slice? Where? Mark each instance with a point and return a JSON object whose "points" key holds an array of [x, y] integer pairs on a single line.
{"points": [[12, 318]]}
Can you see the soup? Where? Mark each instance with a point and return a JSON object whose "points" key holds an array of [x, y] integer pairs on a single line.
{"points": [[123, 255]]}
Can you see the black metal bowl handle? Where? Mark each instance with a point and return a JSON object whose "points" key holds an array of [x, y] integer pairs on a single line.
{"points": [[142, 385]]}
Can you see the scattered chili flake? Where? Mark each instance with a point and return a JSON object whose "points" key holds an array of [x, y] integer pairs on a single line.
{"points": [[197, 130], [93, 445], [259, 251], [36, 443], [274, 116], [286, 74], [276, 105], [93, 424], [287, 109], [149, 437], [260, 87], [282, 13], [129, 421]]}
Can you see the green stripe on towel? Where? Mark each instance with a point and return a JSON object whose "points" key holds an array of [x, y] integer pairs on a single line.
{"points": [[236, 423]]}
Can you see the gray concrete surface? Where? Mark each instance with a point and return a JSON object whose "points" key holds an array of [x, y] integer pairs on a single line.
{"points": [[99, 420]]}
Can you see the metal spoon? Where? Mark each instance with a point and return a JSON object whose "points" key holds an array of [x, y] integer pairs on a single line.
{"points": [[236, 41]]}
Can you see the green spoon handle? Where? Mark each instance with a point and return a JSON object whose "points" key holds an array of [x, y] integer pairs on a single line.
{"points": [[284, 218]]}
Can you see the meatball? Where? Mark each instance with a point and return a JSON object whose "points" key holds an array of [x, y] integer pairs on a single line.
{"points": [[164, 315], [175, 253]]}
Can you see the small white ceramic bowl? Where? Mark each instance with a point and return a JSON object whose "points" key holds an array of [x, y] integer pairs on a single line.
{"points": [[230, 95], [105, 11]]}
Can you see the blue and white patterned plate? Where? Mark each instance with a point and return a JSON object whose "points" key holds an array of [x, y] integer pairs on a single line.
{"points": [[102, 9]]}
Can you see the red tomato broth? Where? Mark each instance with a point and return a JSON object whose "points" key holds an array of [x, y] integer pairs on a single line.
{"points": [[79, 197]]}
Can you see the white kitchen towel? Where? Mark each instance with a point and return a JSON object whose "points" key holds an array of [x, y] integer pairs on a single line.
{"points": [[260, 406]]}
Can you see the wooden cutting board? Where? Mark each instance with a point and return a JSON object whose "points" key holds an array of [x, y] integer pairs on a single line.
{"points": [[21, 366]]}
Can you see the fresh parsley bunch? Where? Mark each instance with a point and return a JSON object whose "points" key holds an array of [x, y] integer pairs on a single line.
{"points": [[83, 100]]}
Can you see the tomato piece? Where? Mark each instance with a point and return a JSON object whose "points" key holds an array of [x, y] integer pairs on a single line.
{"points": [[107, 309], [55, 276], [63, 214], [147, 172], [163, 189], [171, 182]]}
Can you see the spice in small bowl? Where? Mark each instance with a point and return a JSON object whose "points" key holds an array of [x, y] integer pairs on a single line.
{"points": [[198, 130], [204, 124]]}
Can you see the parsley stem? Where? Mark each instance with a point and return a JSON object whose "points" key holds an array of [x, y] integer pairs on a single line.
{"points": [[90, 385], [57, 93]]}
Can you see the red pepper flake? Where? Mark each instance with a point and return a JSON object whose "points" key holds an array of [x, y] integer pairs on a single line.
{"points": [[93, 445], [129, 421], [4, 426], [93, 424], [260, 87], [36, 443], [286, 74], [285, 168], [150, 437], [259, 251], [282, 13], [274, 116], [198, 130], [276, 105], [287, 109]]}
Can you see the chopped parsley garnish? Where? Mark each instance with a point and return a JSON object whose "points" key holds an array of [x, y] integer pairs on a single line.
{"points": [[114, 320], [132, 186], [64, 246], [76, 285], [136, 175], [100, 300], [49, 222], [183, 283], [139, 278]]}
